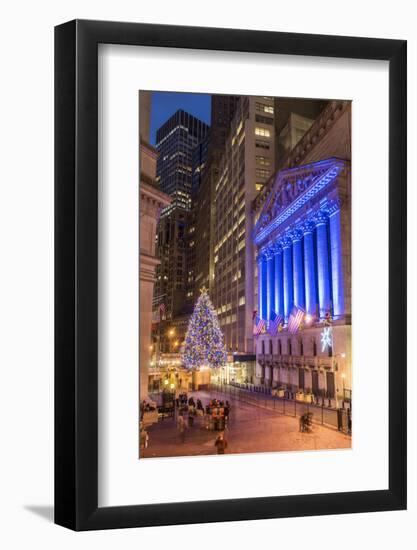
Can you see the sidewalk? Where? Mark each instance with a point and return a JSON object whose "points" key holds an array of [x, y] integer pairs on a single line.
{"points": [[251, 429]]}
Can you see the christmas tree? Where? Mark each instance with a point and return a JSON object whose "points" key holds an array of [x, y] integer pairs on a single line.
{"points": [[204, 344]]}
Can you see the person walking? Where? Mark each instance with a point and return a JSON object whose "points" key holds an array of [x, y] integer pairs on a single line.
{"points": [[220, 444], [181, 426], [144, 438]]}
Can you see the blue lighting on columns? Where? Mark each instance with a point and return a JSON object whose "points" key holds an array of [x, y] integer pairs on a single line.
{"points": [[279, 291], [323, 265], [298, 269], [336, 263], [288, 278], [270, 284], [262, 282], [310, 269]]}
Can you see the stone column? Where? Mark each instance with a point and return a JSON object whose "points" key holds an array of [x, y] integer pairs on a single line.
{"points": [[287, 276], [262, 280], [270, 283], [298, 269], [151, 202], [310, 269], [336, 262], [323, 274], [279, 290]]}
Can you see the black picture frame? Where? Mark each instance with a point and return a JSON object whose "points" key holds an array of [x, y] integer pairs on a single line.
{"points": [[76, 272]]}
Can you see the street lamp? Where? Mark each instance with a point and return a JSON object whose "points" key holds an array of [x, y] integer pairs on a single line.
{"points": [[308, 318]]}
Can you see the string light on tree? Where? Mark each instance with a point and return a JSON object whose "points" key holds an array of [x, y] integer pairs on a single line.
{"points": [[204, 343]]}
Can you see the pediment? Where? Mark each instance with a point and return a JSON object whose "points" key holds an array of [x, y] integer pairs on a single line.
{"points": [[291, 189]]}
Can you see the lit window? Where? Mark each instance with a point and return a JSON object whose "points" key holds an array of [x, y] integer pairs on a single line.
{"points": [[264, 132], [265, 161], [262, 173]]}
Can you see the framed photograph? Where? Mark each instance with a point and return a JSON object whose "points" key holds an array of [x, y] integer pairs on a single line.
{"points": [[230, 330]]}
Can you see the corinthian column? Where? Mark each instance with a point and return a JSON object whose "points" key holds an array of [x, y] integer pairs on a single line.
{"points": [[298, 269], [323, 274], [270, 286], [310, 269], [262, 280], [279, 290], [336, 259], [287, 276]]}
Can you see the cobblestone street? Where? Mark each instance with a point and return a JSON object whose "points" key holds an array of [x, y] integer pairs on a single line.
{"points": [[250, 429]]}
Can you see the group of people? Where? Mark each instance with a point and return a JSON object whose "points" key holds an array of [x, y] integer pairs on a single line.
{"points": [[215, 412], [215, 408]]}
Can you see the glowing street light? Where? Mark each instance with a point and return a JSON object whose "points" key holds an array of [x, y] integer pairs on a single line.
{"points": [[308, 318]]}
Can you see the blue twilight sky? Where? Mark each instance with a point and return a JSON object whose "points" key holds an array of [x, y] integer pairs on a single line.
{"points": [[164, 105]]}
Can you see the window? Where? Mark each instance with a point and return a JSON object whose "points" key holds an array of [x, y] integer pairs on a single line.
{"points": [[264, 161], [289, 347], [262, 145], [262, 173], [279, 347], [264, 132], [263, 347], [314, 347], [264, 119], [270, 347], [262, 108]]}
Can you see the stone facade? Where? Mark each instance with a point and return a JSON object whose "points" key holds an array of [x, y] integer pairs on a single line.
{"points": [[303, 241], [151, 201]]}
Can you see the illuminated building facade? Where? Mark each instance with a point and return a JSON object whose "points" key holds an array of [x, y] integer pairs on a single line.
{"points": [[175, 142], [223, 108], [247, 163], [303, 241]]}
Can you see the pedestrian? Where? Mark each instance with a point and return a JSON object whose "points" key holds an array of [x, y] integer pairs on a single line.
{"points": [[226, 412], [182, 426], [144, 438], [221, 444]]}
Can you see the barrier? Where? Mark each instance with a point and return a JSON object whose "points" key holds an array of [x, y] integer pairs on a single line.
{"points": [[253, 395]]}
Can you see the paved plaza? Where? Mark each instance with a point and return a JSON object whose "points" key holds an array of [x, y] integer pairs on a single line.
{"points": [[250, 429]]}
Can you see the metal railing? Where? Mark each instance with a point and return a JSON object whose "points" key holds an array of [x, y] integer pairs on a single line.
{"points": [[260, 396]]}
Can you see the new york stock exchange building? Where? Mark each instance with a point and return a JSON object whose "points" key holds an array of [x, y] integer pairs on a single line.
{"points": [[303, 247]]}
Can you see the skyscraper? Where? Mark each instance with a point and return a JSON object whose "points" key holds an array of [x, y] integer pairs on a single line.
{"points": [[223, 108], [247, 163], [175, 142]]}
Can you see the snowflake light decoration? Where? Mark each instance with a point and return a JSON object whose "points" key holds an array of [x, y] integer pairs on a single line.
{"points": [[326, 338]]}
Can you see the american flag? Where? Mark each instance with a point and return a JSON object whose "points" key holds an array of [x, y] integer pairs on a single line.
{"points": [[294, 321], [161, 311], [274, 323], [258, 326]]}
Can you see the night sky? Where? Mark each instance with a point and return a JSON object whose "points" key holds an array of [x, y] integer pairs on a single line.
{"points": [[164, 105]]}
